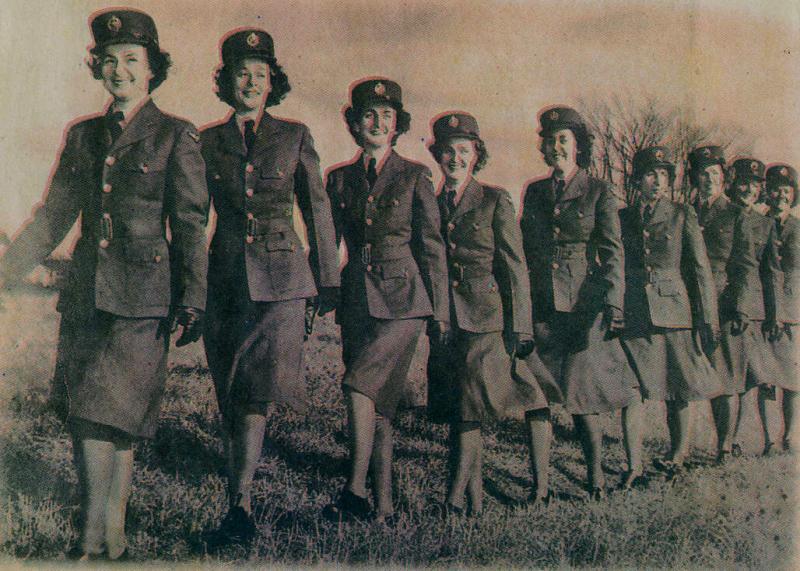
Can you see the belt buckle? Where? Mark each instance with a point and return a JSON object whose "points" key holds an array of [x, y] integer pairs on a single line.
{"points": [[366, 254], [106, 228], [251, 227]]}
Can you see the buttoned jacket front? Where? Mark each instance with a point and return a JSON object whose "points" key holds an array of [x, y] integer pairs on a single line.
{"points": [[396, 266], [786, 305], [130, 195], [572, 245], [668, 274], [488, 273], [717, 224], [253, 193]]}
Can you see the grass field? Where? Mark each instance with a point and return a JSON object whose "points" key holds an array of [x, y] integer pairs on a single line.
{"points": [[741, 515]]}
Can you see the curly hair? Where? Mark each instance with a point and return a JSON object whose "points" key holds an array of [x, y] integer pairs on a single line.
{"points": [[159, 62], [438, 148], [223, 79], [583, 139], [353, 116]]}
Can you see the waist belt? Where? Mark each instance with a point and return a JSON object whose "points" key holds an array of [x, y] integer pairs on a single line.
{"points": [[461, 272], [568, 251], [371, 253]]}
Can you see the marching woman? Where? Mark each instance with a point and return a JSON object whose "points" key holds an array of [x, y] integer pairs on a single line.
{"points": [[489, 296], [394, 281], [671, 316], [127, 174], [571, 238], [259, 276], [783, 313]]}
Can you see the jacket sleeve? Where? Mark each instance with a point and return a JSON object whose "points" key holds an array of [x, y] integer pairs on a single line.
{"points": [[607, 239], [188, 201], [772, 276], [427, 245], [512, 269], [315, 206], [51, 220], [697, 272]]}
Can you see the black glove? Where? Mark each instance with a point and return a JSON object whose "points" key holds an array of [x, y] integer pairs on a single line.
{"points": [[773, 330], [706, 338], [439, 332], [522, 345], [787, 328], [614, 320], [312, 306], [327, 300], [190, 319], [739, 323]]}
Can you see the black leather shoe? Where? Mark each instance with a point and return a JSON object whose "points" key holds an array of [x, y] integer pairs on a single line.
{"points": [[723, 456], [347, 507], [597, 494], [736, 450], [632, 479], [237, 528]]}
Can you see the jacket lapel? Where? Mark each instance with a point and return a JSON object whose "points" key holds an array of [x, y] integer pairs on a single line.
{"points": [[472, 197], [575, 188], [267, 137], [231, 140], [659, 212], [391, 168], [143, 124]]}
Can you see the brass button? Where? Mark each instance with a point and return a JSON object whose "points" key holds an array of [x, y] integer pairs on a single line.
{"points": [[106, 215], [144, 168], [157, 258], [217, 177], [249, 239], [557, 211], [451, 226], [370, 198], [778, 243], [669, 236], [646, 234], [554, 265], [455, 283], [369, 221], [580, 214], [702, 228], [342, 205], [104, 243], [452, 245], [556, 230], [106, 188], [647, 250], [395, 202], [250, 216], [249, 192], [369, 267], [649, 268], [110, 160], [249, 168], [475, 226]]}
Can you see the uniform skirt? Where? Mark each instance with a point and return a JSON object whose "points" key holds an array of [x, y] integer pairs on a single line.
{"points": [[745, 360], [590, 367], [785, 352], [111, 370], [670, 367], [482, 379], [377, 355], [255, 353]]}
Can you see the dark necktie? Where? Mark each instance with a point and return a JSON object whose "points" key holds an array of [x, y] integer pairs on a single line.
{"points": [[114, 123], [249, 134], [559, 189], [372, 172], [647, 215], [450, 199]]}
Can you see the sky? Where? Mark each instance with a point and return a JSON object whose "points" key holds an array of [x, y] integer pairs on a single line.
{"points": [[733, 62]]}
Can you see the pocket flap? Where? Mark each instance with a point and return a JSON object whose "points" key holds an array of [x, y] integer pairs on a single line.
{"points": [[393, 271], [280, 244], [668, 288], [145, 251]]}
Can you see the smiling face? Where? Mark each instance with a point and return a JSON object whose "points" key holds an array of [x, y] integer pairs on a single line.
{"points": [[747, 192], [458, 157], [710, 181], [251, 84], [561, 150], [377, 126], [654, 184], [125, 71], [780, 198]]}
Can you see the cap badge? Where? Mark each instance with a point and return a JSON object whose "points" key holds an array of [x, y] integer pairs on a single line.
{"points": [[754, 167], [554, 115], [252, 40], [706, 152], [659, 155], [380, 89], [114, 24], [453, 122], [784, 171]]}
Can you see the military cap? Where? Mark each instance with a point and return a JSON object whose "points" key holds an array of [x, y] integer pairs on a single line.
{"points": [[748, 169], [781, 175], [373, 91], [651, 158], [455, 124], [250, 42], [701, 157], [552, 120], [123, 27]]}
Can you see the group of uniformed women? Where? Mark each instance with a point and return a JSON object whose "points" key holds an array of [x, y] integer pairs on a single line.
{"points": [[579, 303]]}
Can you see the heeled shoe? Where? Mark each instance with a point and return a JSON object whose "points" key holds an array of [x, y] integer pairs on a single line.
{"points": [[723, 456], [597, 494], [77, 554], [769, 449], [736, 450], [535, 500], [786, 445], [348, 506], [632, 479]]}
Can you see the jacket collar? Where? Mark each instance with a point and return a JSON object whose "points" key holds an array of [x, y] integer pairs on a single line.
{"points": [[471, 199], [232, 140], [143, 124], [575, 188], [390, 168]]}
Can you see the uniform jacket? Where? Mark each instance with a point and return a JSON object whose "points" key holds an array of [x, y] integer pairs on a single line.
{"points": [[717, 223], [785, 307], [753, 264], [488, 273], [573, 246], [396, 265], [126, 193], [668, 274], [253, 194]]}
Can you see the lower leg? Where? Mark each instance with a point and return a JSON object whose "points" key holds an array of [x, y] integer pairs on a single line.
{"points": [[246, 444], [361, 417], [96, 465], [469, 439], [789, 405], [738, 407], [540, 436], [590, 435], [119, 493], [475, 485], [724, 409], [382, 465], [679, 414], [632, 435]]}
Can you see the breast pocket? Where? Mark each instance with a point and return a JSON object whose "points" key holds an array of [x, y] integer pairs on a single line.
{"points": [[143, 172], [274, 176], [283, 257]]}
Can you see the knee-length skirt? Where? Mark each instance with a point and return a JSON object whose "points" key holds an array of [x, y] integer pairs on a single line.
{"points": [[745, 360], [589, 366], [785, 352], [670, 367], [111, 370], [255, 353]]}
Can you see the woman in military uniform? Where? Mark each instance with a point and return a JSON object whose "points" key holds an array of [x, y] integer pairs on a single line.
{"points": [[782, 303], [127, 174], [260, 278], [571, 238], [671, 313], [489, 296], [395, 279]]}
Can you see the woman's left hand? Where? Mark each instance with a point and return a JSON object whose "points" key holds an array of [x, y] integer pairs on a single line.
{"points": [[190, 319]]}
